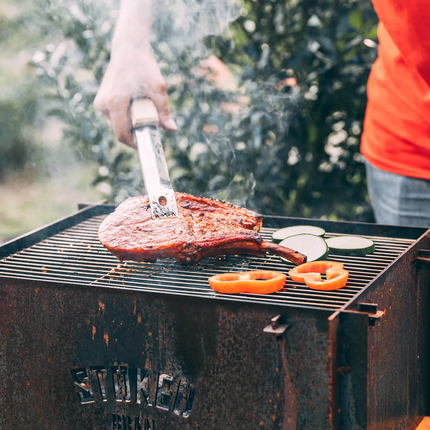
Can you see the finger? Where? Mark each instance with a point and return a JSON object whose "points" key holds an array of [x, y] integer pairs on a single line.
{"points": [[161, 103], [121, 123]]}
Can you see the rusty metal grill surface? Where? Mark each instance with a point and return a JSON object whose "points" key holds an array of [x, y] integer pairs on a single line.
{"points": [[76, 256]]}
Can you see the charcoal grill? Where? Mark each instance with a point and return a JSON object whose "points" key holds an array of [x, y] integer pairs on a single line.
{"points": [[87, 342]]}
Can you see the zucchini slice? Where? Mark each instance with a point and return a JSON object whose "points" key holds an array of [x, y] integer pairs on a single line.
{"points": [[285, 232], [314, 247], [350, 245]]}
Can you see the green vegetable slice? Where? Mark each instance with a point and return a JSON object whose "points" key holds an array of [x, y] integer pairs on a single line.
{"points": [[285, 232], [314, 247], [350, 245]]}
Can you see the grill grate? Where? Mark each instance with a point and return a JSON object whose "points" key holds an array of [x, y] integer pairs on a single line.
{"points": [[75, 256]]}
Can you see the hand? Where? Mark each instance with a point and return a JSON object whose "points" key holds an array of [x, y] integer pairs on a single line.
{"points": [[132, 74]]}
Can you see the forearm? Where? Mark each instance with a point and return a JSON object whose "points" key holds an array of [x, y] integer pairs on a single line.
{"points": [[133, 27]]}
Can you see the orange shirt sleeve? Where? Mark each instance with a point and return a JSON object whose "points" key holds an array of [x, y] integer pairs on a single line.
{"points": [[408, 24]]}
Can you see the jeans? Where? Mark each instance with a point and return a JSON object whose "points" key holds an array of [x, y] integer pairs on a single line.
{"points": [[397, 199]]}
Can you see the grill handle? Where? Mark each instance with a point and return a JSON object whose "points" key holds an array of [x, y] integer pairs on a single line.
{"points": [[277, 326]]}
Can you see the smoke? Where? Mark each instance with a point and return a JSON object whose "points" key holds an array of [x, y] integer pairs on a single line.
{"points": [[79, 34], [181, 27], [232, 115], [193, 20]]}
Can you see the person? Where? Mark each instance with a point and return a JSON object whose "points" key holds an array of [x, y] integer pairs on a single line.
{"points": [[132, 72], [396, 134]]}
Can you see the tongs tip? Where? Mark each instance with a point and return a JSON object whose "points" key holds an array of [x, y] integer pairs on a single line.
{"points": [[164, 206], [161, 215]]}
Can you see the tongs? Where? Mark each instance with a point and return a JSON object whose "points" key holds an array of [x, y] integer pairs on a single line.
{"points": [[145, 121]]}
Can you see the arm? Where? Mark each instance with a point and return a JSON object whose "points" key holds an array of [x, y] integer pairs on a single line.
{"points": [[407, 23], [132, 72]]}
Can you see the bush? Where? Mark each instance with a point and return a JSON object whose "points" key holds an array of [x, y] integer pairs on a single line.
{"points": [[284, 141], [18, 89], [17, 116]]}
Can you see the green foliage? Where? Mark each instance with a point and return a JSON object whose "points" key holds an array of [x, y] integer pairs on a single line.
{"points": [[292, 149], [18, 90], [17, 112]]}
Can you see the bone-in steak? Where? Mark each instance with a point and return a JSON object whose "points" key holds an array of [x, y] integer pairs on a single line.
{"points": [[204, 227]]}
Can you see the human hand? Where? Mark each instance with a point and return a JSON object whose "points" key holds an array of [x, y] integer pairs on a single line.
{"points": [[132, 74]]}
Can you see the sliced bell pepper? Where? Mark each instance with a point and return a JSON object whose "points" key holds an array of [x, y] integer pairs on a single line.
{"points": [[255, 282], [310, 274]]}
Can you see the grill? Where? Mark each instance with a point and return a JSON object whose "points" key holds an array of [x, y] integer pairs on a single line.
{"points": [[108, 345], [76, 256]]}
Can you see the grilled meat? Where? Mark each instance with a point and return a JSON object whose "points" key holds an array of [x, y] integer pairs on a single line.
{"points": [[204, 227]]}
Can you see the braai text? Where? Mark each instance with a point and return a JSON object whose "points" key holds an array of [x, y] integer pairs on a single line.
{"points": [[123, 422]]}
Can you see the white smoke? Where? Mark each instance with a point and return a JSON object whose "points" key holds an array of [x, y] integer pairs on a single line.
{"points": [[199, 18], [182, 25]]}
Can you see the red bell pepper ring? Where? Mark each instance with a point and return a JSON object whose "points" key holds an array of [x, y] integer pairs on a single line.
{"points": [[255, 282], [310, 274]]}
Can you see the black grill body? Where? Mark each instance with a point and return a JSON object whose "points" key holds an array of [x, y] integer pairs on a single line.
{"points": [[88, 343]]}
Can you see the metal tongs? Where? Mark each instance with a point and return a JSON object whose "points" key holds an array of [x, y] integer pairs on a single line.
{"points": [[145, 121]]}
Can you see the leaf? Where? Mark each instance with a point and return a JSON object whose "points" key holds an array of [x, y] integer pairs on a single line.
{"points": [[356, 19]]}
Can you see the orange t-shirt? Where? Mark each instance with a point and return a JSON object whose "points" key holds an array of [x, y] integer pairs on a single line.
{"points": [[396, 135]]}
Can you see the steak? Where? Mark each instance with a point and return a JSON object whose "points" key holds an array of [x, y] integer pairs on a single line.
{"points": [[204, 227]]}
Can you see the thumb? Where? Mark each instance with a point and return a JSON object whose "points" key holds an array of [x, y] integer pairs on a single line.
{"points": [[162, 105]]}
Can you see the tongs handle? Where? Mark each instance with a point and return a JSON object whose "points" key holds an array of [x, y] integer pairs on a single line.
{"points": [[143, 112]]}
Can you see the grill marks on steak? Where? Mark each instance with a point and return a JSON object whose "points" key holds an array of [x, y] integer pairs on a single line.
{"points": [[204, 227]]}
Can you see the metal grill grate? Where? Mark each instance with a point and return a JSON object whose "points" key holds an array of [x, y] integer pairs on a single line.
{"points": [[75, 256]]}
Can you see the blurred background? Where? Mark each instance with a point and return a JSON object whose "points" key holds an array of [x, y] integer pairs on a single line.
{"points": [[269, 96]]}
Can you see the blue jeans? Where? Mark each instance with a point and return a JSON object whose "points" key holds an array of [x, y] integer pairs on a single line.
{"points": [[397, 199]]}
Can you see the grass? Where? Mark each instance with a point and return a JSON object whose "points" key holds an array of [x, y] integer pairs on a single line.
{"points": [[26, 204]]}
